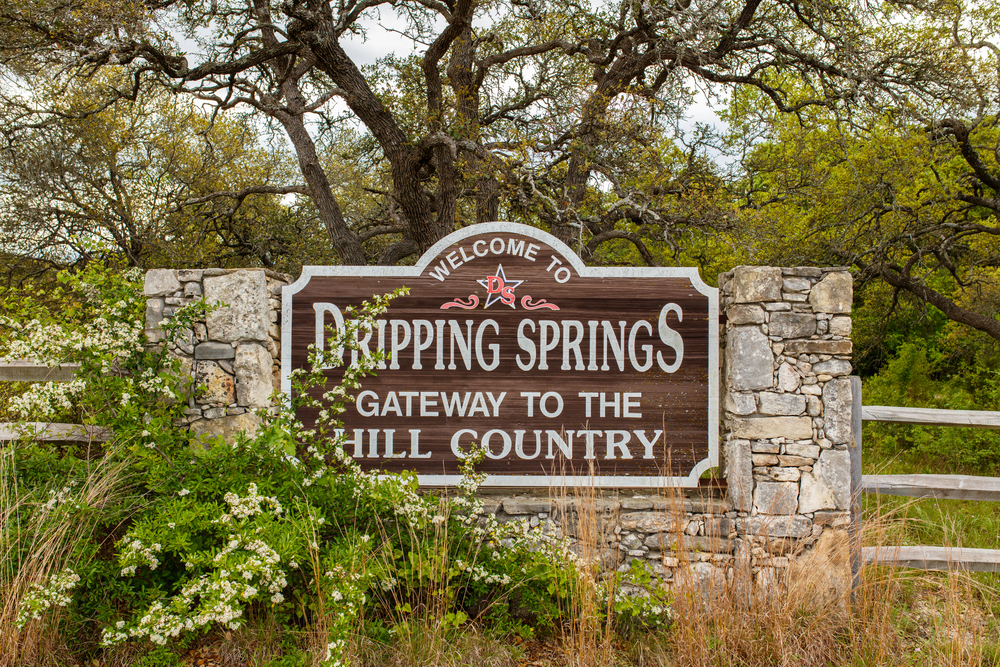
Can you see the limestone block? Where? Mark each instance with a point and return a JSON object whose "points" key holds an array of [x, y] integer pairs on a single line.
{"points": [[782, 404], [796, 284], [192, 290], [808, 451], [784, 474], [244, 315], [764, 459], [832, 518], [526, 505], [756, 283], [833, 367], [717, 526], [776, 497], [739, 474], [749, 362], [671, 542], [796, 347], [185, 341], [189, 275], [807, 271], [253, 376], [154, 312], [215, 385], [762, 428], [837, 405], [630, 542], [161, 282], [745, 314], [841, 325], [828, 486], [227, 427], [833, 294], [213, 350], [711, 579], [775, 526], [814, 406], [702, 505], [787, 461], [651, 522], [636, 503], [740, 404], [788, 378], [792, 325], [823, 574], [491, 505]]}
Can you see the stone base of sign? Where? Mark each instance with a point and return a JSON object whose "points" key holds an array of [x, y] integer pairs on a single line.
{"points": [[233, 356], [786, 418], [785, 427]]}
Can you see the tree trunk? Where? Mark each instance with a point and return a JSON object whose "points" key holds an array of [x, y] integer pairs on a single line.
{"points": [[404, 160], [345, 242]]}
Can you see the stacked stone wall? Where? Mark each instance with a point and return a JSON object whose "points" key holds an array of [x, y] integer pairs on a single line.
{"points": [[233, 356], [787, 410]]}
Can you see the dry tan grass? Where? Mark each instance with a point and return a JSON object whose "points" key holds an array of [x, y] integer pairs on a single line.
{"points": [[807, 618], [425, 642], [588, 636], [31, 553]]}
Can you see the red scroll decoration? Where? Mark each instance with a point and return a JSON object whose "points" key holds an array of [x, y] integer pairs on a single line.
{"points": [[458, 303], [527, 304]]}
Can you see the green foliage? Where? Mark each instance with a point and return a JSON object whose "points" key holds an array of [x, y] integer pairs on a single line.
{"points": [[138, 183], [922, 376]]}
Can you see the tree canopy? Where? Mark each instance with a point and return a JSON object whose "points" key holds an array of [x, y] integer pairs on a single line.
{"points": [[858, 133]]}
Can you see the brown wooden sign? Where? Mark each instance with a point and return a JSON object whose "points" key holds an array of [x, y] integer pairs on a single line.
{"points": [[568, 374]]}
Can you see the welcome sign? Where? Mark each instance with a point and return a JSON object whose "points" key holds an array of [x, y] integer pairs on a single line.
{"points": [[567, 374]]}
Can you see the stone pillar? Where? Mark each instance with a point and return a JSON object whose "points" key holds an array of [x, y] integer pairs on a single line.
{"points": [[233, 357], [787, 410]]}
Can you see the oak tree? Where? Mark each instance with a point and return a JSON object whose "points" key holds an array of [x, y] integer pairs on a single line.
{"points": [[523, 109]]}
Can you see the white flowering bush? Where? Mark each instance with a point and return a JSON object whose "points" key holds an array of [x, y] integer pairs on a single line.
{"points": [[41, 598], [65, 502], [94, 319], [284, 526]]}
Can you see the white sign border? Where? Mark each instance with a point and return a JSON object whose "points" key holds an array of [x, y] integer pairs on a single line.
{"points": [[598, 481]]}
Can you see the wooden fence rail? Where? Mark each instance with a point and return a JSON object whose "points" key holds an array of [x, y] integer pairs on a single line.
{"points": [[954, 487], [930, 417], [935, 558], [28, 371], [47, 432], [22, 370], [951, 487]]}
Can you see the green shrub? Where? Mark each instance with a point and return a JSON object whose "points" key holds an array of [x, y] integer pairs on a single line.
{"points": [[921, 377]]}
